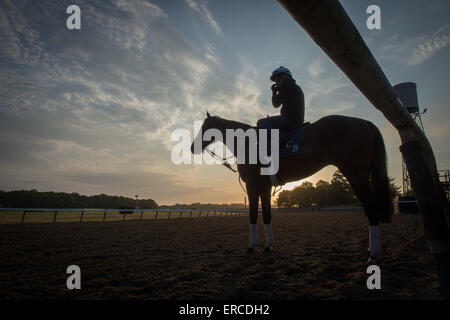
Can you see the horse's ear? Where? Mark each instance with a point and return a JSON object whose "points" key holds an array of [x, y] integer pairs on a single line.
{"points": [[207, 114]]}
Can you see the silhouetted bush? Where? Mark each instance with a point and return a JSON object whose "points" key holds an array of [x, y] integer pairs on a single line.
{"points": [[335, 192]]}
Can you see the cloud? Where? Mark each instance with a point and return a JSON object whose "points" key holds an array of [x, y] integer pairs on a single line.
{"points": [[316, 68], [429, 47], [416, 50], [104, 100], [201, 8], [318, 92]]}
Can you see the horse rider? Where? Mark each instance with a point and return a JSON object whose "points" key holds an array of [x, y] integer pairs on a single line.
{"points": [[285, 93]]}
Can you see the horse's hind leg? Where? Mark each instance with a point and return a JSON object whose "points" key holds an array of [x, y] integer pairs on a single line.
{"points": [[361, 187], [252, 192], [267, 215]]}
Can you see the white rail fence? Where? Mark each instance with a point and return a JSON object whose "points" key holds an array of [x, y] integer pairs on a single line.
{"points": [[22, 215]]}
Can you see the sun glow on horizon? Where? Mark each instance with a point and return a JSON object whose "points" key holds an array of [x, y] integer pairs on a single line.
{"points": [[325, 174]]}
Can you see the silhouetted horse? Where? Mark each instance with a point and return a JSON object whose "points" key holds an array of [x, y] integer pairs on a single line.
{"points": [[353, 145]]}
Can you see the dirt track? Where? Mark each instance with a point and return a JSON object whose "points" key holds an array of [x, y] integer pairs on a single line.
{"points": [[317, 255]]}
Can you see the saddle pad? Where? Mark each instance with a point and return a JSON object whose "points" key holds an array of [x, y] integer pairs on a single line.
{"points": [[292, 145]]}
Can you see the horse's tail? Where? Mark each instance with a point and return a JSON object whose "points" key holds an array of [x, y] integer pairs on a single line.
{"points": [[380, 179]]}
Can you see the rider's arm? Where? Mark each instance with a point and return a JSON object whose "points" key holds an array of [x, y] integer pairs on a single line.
{"points": [[276, 101]]}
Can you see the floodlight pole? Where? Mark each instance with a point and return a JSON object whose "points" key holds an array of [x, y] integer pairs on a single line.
{"points": [[331, 28]]}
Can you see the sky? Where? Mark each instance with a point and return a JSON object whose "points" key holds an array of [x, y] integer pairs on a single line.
{"points": [[92, 110]]}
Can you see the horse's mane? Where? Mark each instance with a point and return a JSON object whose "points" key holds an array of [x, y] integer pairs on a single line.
{"points": [[231, 124]]}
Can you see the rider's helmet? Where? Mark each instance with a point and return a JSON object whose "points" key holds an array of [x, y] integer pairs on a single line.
{"points": [[278, 71]]}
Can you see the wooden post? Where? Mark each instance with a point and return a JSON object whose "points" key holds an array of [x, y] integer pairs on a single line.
{"points": [[142, 213], [207, 213], [54, 217], [181, 213], [330, 27], [104, 216], [168, 217], [23, 216], [156, 215], [429, 197], [190, 215], [81, 216]]}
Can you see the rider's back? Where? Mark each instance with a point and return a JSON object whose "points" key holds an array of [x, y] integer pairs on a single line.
{"points": [[291, 97]]}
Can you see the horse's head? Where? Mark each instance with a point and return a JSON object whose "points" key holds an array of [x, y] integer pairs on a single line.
{"points": [[209, 123]]}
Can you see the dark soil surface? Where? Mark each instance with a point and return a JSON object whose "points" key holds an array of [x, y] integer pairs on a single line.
{"points": [[317, 255]]}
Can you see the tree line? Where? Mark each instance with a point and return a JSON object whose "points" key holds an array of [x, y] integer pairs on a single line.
{"points": [[335, 192], [35, 199]]}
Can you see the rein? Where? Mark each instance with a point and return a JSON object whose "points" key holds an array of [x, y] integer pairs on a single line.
{"points": [[227, 165]]}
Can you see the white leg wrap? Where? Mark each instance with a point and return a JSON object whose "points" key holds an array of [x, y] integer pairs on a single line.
{"points": [[375, 242], [253, 236], [269, 236]]}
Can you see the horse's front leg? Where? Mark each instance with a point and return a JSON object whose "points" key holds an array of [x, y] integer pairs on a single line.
{"points": [[267, 216], [252, 192]]}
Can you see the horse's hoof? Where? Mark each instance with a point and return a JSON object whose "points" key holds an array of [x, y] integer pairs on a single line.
{"points": [[250, 251], [267, 249]]}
